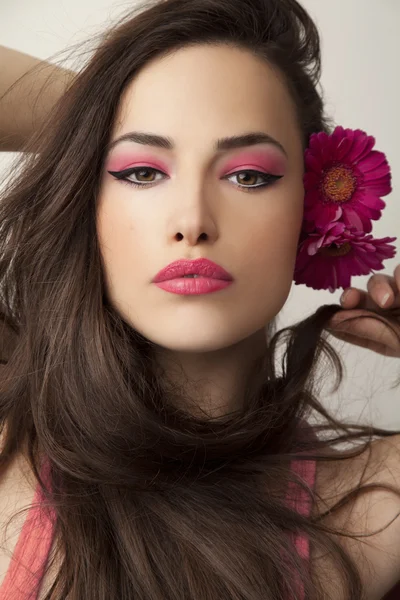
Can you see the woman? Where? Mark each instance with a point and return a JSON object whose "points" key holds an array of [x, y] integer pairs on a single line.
{"points": [[146, 414]]}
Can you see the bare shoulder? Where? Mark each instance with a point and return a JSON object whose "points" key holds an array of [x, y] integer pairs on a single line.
{"points": [[17, 489], [375, 512], [17, 485]]}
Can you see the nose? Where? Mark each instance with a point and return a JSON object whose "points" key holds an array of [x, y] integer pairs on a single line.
{"points": [[193, 224]]}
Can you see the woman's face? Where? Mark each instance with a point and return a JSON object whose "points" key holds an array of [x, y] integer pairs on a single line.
{"points": [[191, 204]]}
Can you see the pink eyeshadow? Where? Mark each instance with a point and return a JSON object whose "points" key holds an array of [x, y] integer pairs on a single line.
{"points": [[264, 160], [128, 159]]}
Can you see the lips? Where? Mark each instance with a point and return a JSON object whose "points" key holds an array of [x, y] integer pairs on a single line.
{"points": [[200, 266]]}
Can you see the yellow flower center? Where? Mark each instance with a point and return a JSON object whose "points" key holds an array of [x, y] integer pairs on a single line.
{"points": [[334, 250], [339, 184]]}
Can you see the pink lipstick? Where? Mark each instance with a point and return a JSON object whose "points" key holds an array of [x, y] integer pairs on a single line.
{"points": [[193, 277]]}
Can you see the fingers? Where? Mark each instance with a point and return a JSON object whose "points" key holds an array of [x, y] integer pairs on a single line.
{"points": [[387, 347], [384, 290], [383, 293]]}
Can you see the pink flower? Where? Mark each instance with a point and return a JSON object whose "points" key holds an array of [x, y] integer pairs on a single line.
{"points": [[344, 179], [328, 259]]}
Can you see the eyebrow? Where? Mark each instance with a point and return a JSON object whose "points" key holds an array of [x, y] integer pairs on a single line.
{"points": [[251, 138]]}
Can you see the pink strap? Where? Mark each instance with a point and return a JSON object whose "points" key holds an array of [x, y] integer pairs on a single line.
{"points": [[298, 500], [28, 562]]}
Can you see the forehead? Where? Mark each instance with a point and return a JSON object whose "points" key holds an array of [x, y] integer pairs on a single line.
{"points": [[204, 92]]}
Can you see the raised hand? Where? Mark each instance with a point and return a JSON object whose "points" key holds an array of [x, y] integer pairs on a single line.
{"points": [[383, 298]]}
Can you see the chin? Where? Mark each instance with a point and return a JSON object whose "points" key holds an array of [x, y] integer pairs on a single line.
{"points": [[196, 338], [193, 342]]}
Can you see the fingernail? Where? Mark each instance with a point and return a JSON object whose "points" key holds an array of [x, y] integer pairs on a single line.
{"points": [[344, 296], [385, 298]]}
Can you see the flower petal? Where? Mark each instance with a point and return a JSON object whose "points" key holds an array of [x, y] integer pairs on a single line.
{"points": [[317, 141], [312, 198], [380, 187], [343, 147], [356, 220], [314, 163], [360, 142], [381, 172], [369, 200], [311, 180], [330, 212], [367, 148], [372, 161], [369, 214]]}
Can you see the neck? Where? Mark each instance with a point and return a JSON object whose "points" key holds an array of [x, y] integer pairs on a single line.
{"points": [[212, 383]]}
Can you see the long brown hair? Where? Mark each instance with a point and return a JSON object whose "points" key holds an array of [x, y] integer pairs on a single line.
{"points": [[153, 503]]}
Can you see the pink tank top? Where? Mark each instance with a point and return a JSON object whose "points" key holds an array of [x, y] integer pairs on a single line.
{"points": [[35, 541], [31, 552]]}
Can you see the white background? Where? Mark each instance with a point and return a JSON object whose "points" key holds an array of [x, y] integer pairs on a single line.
{"points": [[360, 53]]}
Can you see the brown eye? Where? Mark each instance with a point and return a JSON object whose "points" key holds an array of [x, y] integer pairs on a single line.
{"points": [[142, 172], [147, 173], [249, 177]]}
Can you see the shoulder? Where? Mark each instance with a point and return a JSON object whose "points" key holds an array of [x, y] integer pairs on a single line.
{"points": [[374, 512], [17, 486]]}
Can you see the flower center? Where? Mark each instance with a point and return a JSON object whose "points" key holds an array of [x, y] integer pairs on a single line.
{"points": [[334, 250], [339, 184]]}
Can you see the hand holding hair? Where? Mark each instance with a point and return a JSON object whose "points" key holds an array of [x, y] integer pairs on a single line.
{"points": [[381, 298]]}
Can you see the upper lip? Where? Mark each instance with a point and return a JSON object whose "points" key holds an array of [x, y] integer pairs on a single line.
{"points": [[199, 266]]}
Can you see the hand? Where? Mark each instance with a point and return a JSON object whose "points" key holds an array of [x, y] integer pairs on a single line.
{"points": [[371, 333]]}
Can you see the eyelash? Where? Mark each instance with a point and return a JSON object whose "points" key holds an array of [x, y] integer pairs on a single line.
{"points": [[122, 176]]}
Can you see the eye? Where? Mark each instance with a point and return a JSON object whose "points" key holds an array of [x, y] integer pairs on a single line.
{"points": [[266, 177], [123, 175], [135, 171]]}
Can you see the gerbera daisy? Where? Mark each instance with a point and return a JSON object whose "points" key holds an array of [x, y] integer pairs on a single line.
{"points": [[345, 179], [328, 259]]}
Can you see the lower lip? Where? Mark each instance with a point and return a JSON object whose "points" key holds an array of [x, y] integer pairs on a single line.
{"points": [[193, 285]]}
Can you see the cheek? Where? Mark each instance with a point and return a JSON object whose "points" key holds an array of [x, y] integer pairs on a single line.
{"points": [[274, 234], [270, 256], [122, 223], [269, 250], [121, 241], [270, 268]]}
